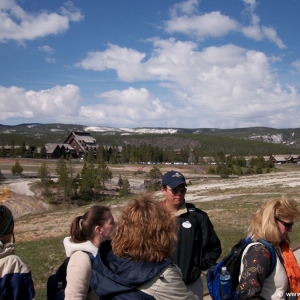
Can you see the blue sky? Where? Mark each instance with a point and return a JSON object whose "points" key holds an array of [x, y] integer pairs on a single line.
{"points": [[150, 63]]}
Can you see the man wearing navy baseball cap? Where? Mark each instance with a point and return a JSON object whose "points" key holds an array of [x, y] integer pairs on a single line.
{"points": [[198, 246]]}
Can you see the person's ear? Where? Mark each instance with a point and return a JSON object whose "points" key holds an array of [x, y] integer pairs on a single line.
{"points": [[98, 229]]}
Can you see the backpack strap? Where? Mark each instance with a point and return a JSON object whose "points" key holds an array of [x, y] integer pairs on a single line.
{"points": [[273, 256], [92, 259]]}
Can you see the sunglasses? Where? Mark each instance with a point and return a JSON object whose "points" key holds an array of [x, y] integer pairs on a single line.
{"points": [[287, 225], [175, 191]]}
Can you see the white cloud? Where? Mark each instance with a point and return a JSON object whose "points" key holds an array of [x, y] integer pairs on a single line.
{"points": [[117, 58], [187, 7], [46, 49], [50, 59], [56, 103], [255, 30], [186, 19], [296, 64], [272, 36], [16, 24], [226, 85], [212, 24], [49, 52], [130, 107]]}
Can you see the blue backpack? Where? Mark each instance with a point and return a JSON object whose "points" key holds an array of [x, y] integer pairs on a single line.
{"points": [[233, 262]]}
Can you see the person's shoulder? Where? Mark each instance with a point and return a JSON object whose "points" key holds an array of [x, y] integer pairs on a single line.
{"points": [[80, 254], [258, 249], [193, 209], [170, 270], [13, 264]]}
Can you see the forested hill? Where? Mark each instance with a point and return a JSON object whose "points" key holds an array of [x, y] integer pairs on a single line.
{"points": [[245, 141]]}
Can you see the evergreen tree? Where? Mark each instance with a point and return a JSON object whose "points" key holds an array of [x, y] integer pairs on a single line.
{"points": [[44, 175], [22, 149], [125, 153], [100, 154], [90, 156], [211, 170], [133, 155], [125, 189], [87, 181], [12, 149], [97, 185], [17, 169], [2, 151], [185, 153], [43, 152], [64, 180], [120, 181], [114, 155], [104, 174], [154, 183], [155, 173]]}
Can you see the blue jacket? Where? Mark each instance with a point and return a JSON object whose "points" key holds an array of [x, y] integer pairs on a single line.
{"points": [[15, 277], [116, 278]]}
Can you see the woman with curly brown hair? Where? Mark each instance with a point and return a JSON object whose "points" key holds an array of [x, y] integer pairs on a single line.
{"points": [[272, 222], [135, 265]]}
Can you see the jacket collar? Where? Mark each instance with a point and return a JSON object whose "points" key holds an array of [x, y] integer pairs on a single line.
{"points": [[182, 210]]}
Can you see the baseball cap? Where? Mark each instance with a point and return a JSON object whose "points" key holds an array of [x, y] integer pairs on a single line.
{"points": [[172, 179], [6, 219]]}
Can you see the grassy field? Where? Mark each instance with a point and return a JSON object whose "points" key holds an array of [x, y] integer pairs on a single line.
{"points": [[230, 215]]}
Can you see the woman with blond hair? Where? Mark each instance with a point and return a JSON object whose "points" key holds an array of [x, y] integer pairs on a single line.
{"points": [[272, 222], [87, 232], [135, 265]]}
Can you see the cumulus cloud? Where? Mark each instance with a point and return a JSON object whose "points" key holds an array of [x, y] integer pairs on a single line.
{"points": [[257, 31], [56, 103], [19, 25], [227, 84], [188, 7], [186, 19], [127, 108], [212, 24], [214, 86], [46, 49], [116, 58]]}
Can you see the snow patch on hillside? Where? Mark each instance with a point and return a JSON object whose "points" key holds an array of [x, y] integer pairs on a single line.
{"points": [[130, 130], [274, 138]]}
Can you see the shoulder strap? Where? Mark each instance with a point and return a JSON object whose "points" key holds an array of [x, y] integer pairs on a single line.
{"points": [[273, 256], [92, 259]]}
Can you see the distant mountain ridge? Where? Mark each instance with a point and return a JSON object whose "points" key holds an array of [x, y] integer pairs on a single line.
{"points": [[53, 131]]}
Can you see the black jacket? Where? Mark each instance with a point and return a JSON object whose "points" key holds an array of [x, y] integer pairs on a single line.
{"points": [[198, 246]]}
